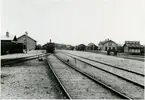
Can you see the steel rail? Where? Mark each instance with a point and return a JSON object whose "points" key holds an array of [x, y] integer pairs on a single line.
{"points": [[107, 64], [59, 81], [94, 79], [110, 73]]}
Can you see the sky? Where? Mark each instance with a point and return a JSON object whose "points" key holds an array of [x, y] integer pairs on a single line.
{"points": [[75, 21]]}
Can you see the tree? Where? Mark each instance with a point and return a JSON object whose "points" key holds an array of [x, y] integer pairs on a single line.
{"points": [[15, 38], [38, 47], [81, 47]]}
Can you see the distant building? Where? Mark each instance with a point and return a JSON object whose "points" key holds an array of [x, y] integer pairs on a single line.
{"points": [[92, 46], [107, 44], [28, 42], [81, 47], [68, 47], [133, 47]]}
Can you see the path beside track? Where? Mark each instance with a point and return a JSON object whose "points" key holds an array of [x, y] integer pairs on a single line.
{"points": [[29, 80]]}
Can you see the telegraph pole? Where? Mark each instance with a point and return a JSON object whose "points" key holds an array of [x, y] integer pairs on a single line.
{"points": [[26, 40]]}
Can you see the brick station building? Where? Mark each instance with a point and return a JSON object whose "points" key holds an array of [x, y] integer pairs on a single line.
{"points": [[28, 42]]}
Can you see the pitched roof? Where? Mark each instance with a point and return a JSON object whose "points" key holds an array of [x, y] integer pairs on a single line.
{"points": [[82, 45], [90, 44], [107, 40], [5, 37], [27, 36], [133, 44]]}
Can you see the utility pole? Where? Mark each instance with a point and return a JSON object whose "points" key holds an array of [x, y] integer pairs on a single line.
{"points": [[26, 40]]}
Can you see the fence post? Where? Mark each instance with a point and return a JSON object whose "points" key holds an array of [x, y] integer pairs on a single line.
{"points": [[75, 62]]}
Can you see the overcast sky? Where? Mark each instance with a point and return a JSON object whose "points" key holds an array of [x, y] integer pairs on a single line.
{"points": [[75, 21]]}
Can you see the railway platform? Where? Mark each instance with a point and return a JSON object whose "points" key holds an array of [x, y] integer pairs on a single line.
{"points": [[21, 55]]}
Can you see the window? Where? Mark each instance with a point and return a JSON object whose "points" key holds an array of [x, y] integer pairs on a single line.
{"points": [[105, 48], [113, 48], [133, 50]]}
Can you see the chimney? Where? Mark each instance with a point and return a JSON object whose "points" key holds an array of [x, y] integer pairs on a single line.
{"points": [[26, 33], [7, 34], [50, 40]]}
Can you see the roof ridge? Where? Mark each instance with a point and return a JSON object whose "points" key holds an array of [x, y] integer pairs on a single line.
{"points": [[27, 36]]}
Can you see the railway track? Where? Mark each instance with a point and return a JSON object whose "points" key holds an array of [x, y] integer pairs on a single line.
{"points": [[18, 60], [121, 95], [126, 71], [59, 81], [120, 84], [137, 73]]}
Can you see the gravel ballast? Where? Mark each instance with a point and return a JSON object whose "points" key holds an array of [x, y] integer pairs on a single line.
{"points": [[29, 80], [125, 87], [79, 86], [133, 65], [125, 74]]}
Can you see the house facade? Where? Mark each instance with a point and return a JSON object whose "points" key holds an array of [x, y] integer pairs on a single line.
{"points": [[107, 44], [132, 47], [28, 42]]}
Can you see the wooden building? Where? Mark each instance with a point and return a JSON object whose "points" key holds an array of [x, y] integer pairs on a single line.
{"points": [[28, 42], [107, 44], [132, 47], [9, 44]]}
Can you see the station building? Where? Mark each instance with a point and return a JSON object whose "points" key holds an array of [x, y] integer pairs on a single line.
{"points": [[28, 42], [107, 44]]}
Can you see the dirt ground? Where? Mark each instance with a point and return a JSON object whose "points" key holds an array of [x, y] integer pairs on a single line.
{"points": [[29, 80]]}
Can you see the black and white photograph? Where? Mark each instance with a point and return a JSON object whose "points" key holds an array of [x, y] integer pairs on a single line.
{"points": [[72, 49]]}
